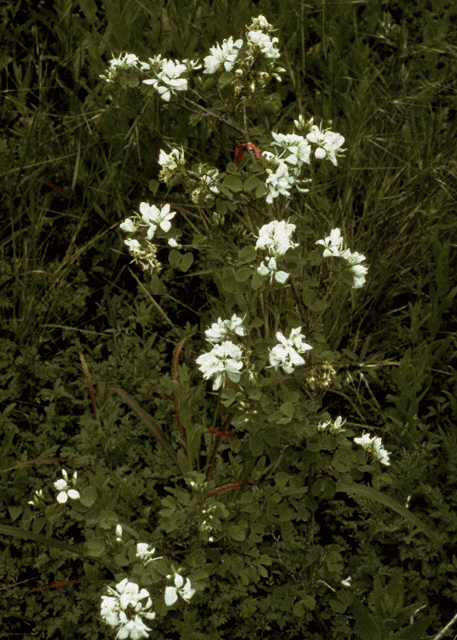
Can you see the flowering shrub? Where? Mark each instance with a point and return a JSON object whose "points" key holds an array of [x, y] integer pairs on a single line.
{"points": [[252, 454]]}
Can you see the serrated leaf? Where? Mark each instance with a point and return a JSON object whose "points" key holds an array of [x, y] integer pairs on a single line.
{"points": [[365, 625]]}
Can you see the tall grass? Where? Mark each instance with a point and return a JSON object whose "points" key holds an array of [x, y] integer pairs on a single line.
{"points": [[73, 166]]}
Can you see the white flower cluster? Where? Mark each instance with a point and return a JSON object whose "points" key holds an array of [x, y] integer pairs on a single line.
{"points": [[293, 152], [328, 143], [149, 220], [286, 354], [276, 238], [64, 486], [259, 43], [373, 444], [125, 608], [150, 217], [225, 358], [206, 179], [333, 247], [223, 55], [171, 163], [223, 329], [169, 75], [259, 40], [125, 62]]}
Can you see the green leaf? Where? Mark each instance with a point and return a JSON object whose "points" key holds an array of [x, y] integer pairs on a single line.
{"points": [[257, 280], [365, 625], [236, 532], [309, 602], [95, 547], [14, 511], [243, 274], [247, 254], [186, 261], [233, 183], [281, 479], [88, 496], [153, 186], [232, 168], [377, 496], [261, 191], [252, 183], [174, 258]]}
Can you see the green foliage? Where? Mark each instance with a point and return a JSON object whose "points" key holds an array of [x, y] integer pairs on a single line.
{"points": [[268, 524]]}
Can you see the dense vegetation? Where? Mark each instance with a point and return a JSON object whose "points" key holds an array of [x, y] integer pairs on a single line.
{"points": [[76, 158]]}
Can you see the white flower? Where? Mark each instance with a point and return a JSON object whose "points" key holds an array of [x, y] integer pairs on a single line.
{"points": [[171, 163], [335, 427], [184, 589], [223, 359], [270, 268], [154, 217], [276, 237], [128, 226], [169, 79], [38, 499], [262, 42], [145, 552], [358, 270], [132, 244], [64, 487], [124, 609], [373, 444], [124, 62], [119, 533], [333, 244], [329, 143], [280, 181], [296, 146], [334, 248], [286, 354], [260, 24], [222, 329], [222, 55]]}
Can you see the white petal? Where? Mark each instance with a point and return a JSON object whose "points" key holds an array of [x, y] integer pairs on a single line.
{"points": [[171, 595]]}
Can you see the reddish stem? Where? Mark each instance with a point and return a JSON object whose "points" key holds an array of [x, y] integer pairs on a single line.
{"points": [[56, 585], [230, 486]]}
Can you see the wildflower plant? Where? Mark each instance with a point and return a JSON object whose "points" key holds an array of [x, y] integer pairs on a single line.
{"points": [[247, 451]]}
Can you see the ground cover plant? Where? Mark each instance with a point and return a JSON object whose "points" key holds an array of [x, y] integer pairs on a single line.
{"points": [[249, 428]]}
